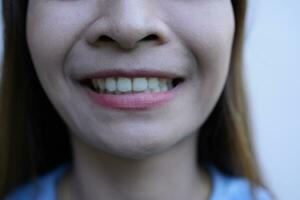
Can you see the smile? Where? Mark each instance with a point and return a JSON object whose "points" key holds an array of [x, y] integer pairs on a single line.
{"points": [[124, 85], [131, 93]]}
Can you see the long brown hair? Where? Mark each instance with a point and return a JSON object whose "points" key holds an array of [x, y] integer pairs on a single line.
{"points": [[33, 137]]}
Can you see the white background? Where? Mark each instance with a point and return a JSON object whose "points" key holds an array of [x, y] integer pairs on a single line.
{"points": [[272, 75]]}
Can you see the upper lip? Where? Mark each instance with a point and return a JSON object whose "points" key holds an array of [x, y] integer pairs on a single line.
{"points": [[131, 73]]}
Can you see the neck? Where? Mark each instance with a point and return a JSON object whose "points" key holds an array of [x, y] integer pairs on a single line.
{"points": [[173, 174]]}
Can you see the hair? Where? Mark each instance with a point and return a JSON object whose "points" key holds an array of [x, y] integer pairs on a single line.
{"points": [[34, 138]]}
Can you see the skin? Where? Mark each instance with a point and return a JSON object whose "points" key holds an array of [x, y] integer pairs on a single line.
{"points": [[133, 155]]}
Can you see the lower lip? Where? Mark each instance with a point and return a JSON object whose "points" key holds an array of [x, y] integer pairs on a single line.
{"points": [[137, 101]]}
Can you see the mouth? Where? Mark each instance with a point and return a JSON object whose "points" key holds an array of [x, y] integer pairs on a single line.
{"points": [[131, 85], [132, 90]]}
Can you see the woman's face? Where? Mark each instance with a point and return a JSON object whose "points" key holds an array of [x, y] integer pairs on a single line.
{"points": [[75, 42]]}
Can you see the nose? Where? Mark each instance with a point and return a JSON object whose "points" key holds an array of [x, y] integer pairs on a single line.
{"points": [[127, 23]]}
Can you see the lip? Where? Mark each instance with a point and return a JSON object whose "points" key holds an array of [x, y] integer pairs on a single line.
{"points": [[133, 102]]}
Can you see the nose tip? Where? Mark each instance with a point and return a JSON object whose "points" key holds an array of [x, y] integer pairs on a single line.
{"points": [[131, 24], [125, 37]]}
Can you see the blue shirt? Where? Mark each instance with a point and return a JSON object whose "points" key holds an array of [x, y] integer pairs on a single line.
{"points": [[223, 187]]}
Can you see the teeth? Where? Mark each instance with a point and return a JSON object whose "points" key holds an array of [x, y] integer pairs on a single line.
{"points": [[153, 84], [163, 85], [128, 85], [111, 84], [124, 84], [100, 84], [95, 85], [140, 84]]}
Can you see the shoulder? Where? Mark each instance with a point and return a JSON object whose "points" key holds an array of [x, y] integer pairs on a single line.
{"points": [[226, 187], [43, 188]]}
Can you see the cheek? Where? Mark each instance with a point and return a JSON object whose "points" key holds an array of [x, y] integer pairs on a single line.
{"points": [[52, 28], [208, 31]]}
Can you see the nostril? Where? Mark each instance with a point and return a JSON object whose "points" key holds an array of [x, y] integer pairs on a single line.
{"points": [[104, 38], [151, 37]]}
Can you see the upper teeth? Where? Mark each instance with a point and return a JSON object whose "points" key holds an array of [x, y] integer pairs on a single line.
{"points": [[139, 84]]}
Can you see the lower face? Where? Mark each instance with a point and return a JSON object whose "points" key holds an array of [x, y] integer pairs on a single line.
{"points": [[192, 40]]}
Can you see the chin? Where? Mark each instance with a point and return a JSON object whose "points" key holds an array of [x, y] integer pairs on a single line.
{"points": [[132, 146]]}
